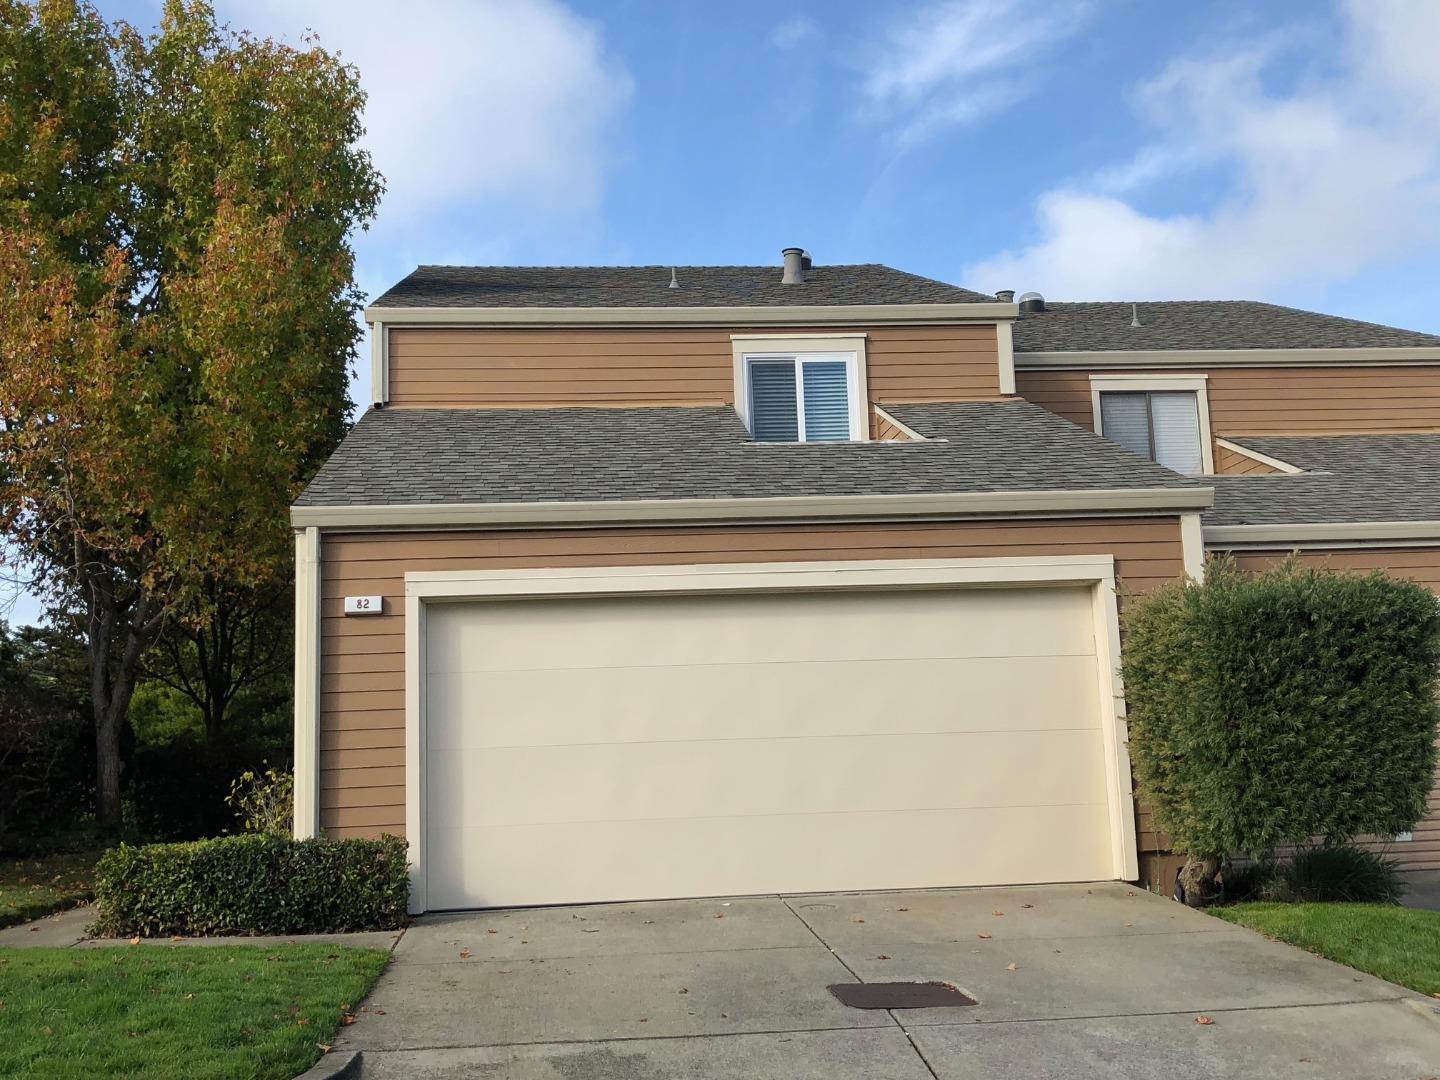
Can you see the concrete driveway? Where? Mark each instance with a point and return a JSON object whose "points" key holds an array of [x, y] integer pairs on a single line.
{"points": [[1072, 981]]}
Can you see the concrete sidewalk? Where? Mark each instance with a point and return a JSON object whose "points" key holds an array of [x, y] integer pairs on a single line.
{"points": [[1072, 981]]}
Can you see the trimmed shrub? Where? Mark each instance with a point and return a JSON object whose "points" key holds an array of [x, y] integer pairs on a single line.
{"points": [[1278, 709], [252, 885]]}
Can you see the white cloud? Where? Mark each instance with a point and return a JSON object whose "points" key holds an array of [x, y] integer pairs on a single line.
{"points": [[1325, 179], [795, 31], [472, 103], [955, 62]]}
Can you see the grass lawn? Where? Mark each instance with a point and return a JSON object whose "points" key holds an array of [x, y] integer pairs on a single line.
{"points": [[1395, 943], [36, 886], [198, 1012]]}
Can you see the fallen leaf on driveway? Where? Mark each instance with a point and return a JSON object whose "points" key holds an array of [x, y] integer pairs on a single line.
{"points": [[492, 931], [882, 956], [324, 1047], [719, 914], [590, 930], [984, 937], [902, 909], [684, 990], [1204, 1020], [857, 920], [1027, 905], [1010, 967], [464, 954], [998, 913]]}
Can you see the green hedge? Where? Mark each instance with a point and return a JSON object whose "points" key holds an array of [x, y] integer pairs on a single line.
{"points": [[252, 885], [1284, 707]]}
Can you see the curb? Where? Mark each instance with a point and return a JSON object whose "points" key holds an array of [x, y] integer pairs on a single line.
{"points": [[344, 1065]]}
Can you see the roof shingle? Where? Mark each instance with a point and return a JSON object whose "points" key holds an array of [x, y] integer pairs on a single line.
{"points": [[1348, 478], [1199, 324], [648, 286], [413, 456]]}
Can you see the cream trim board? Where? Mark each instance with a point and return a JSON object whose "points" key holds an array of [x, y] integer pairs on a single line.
{"points": [[1196, 384], [1005, 342], [780, 507], [1396, 533], [1255, 455], [776, 314], [307, 683], [1212, 358], [379, 364], [1192, 545], [889, 418], [850, 347], [1097, 571], [415, 747]]}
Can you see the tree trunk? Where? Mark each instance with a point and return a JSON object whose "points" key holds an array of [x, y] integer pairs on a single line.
{"points": [[1196, 883], [112, 683], [107, 775]]}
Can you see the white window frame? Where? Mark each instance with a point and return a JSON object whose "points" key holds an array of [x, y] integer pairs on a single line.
{"points": [[1135, 384], [850, 348]]}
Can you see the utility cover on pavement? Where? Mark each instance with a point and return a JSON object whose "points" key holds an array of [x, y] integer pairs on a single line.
{"points": [[901, 995]]}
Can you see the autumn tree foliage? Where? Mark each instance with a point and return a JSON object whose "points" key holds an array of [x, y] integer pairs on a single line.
{"points": [[178, 313]]}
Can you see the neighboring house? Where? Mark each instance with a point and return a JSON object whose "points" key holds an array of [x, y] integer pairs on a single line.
{"points": [[646, 583]]}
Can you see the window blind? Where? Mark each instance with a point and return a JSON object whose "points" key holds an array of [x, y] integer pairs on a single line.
{"points": [[827, 401], [774, 412], [1125, 419], [1175, 417]]}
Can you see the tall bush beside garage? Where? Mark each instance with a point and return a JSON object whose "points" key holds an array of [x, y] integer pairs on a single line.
{"points": [[1278, 709]]}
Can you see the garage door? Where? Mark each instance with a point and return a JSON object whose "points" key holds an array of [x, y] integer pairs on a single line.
{"points": [[646, 747]]}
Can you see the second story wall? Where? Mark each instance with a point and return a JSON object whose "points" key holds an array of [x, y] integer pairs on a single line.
{"points": [[1321, 400], [481, 367]]}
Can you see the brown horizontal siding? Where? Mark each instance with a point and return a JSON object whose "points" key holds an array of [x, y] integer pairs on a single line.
{"points": [[1276, 401], [882, 428], [491, 368], [1232, 463], [362, 702], [1421, 565]]}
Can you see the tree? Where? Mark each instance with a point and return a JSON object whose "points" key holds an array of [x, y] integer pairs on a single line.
{"points": [[244, 640], [179, 318], [1275, 710]]}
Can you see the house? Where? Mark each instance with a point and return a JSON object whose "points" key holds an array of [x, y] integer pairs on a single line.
{"points": [[650, 582]]}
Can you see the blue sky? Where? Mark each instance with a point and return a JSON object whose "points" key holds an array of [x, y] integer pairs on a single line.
{"points": [[1119, 149]]}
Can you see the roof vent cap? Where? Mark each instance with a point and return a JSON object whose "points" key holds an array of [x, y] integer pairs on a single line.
{"points": [[674, 281], [1032, 301], [794, 266], [1005, 296]]}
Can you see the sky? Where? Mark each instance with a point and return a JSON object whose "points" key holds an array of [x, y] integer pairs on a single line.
{"points": [[1086, 149]]}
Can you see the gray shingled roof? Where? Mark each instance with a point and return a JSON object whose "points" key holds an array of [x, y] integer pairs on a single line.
{"points": [[1200, 324], [408, 456], [648, 286], [1348, 478]]}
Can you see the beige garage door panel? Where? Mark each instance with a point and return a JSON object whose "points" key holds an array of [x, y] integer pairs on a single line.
{"points": [[632, 747], [729, 857], [766, 629], [893, 697], [746, 777]]}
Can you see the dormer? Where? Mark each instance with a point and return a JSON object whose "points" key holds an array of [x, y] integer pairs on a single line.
{"points": [[802, 351]]}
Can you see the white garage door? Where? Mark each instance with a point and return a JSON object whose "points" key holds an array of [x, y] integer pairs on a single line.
{"points": [[647, 747]]}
